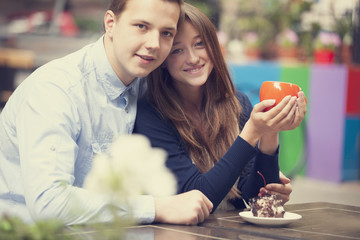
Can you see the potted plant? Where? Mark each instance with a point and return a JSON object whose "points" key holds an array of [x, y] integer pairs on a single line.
{"points": [[251, 43], [287, 44], [325, 45]]}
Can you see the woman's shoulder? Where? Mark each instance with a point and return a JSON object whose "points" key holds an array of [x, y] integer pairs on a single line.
{"points": [[243, 99], [143, 102], [146, 111], [149, 121], [144, 107], [246, 107]]}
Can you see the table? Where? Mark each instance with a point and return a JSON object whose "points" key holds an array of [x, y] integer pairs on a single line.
{"points": [[319, 221]]}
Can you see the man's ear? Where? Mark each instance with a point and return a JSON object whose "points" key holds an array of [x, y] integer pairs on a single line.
{"points": [[109, 22]]}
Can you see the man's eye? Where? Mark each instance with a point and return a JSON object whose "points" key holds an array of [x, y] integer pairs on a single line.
{"points": [[168, 34], [141, 26]]}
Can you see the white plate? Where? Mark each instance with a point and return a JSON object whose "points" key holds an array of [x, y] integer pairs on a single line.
{"points": [[288, 218]]}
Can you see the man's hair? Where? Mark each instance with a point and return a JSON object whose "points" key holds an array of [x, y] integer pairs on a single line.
{"points": [[117, 6]]}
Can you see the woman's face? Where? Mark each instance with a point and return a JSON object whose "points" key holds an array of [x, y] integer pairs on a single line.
{"points": [[188, 62]]}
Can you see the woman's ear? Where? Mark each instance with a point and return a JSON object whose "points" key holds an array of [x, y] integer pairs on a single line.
{"points": [[109, 22]]}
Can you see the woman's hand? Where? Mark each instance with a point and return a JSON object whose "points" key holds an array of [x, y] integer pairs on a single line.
{"points": [[300, 110], [270, 122], [287, 115], [283, 189]]}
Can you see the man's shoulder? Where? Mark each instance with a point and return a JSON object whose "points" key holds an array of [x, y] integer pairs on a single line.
{"points": [[65, 71]]}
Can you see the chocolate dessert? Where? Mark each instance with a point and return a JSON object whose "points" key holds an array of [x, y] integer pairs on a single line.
{"points": [[267, 206]]}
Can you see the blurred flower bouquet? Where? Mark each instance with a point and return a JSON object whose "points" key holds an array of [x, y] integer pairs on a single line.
{"points": [[132, 167], [13, 228], [325, 45]]}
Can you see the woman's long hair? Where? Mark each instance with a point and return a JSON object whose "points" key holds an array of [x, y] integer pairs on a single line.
{"points": [[220, 109]]}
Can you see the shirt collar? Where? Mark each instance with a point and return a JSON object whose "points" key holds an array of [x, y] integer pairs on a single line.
{"points": [[105, 74]]}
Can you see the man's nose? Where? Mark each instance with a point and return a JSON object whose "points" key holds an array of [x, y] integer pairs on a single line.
{"points": [[153, 41]]}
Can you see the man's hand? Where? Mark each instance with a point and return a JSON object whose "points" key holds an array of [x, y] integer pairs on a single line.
{"points": [[188, 208], [282, 189]]}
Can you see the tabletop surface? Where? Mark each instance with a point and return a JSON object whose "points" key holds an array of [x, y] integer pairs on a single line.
{"points": [[319, 221]]}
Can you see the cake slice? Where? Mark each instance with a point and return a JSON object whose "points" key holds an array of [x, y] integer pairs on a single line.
{"points": [[268, 205]]}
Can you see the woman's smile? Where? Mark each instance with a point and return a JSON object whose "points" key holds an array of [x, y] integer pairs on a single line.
{"points": [[195, 69]]}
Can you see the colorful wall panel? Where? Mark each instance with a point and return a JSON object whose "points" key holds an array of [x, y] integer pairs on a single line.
{"points": [[351, 159], [292, 155], [353, 94], [326, 120]]}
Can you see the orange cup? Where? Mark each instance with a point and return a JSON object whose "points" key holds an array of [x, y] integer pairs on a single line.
{"points": [[277, 90]]}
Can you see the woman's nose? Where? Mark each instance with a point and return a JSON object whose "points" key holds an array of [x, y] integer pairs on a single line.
{"points": [[193, 58]]}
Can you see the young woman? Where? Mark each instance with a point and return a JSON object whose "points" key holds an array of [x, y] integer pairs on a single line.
{"points": [[215, 142]]}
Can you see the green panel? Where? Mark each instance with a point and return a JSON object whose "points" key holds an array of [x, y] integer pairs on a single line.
{"points": [[292, 151], [292, 143], [298, 75]]}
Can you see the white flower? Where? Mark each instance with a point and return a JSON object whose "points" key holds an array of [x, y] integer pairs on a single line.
{"points": [[327, 40], [287, 38], [132, 168]]}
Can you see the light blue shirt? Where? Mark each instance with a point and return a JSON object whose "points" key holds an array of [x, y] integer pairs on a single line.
{"points": [[52, 126]]}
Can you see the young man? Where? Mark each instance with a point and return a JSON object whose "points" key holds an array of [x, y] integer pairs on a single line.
{"points": [[72, 108]]}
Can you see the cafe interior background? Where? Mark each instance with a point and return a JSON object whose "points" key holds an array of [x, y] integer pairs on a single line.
{"points": [[313, 43]]}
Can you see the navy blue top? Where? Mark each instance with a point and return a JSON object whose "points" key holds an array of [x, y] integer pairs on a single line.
{"points": [[241, 160]]}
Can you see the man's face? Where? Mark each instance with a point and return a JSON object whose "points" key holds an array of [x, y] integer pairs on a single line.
{"points": [[141, 37]]}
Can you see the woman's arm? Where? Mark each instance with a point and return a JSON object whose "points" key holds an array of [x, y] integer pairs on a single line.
{"points": [[266, 160], [217, 182], [286, 116]]}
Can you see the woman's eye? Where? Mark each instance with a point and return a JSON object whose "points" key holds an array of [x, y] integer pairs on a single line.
{"points": [[199, 44], [176, 51]]}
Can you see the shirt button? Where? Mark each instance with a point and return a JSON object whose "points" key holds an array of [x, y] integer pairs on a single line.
{"points": [[52, 148], [126, 110], [132, 91]]}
